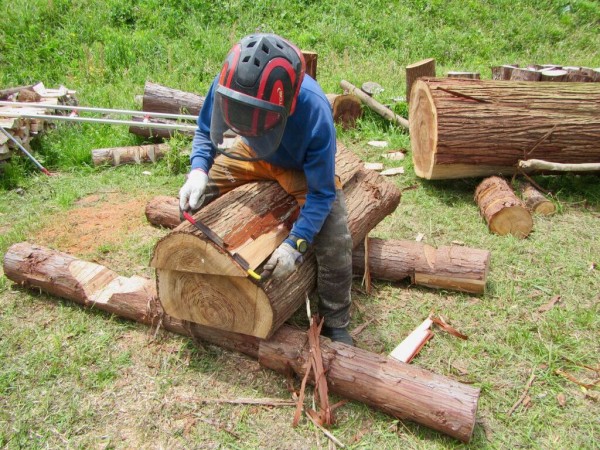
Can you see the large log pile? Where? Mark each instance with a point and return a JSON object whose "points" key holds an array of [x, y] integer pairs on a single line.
{"points": [[401, 390], [199, 282], [470, 128]]}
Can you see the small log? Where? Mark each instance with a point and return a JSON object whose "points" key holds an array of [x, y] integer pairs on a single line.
{"points": [[129, 155], [423, 68], [469, 75], [374, 104], [525, 75], [553, 75], [578, 77], [501, 209], [157, 133], [158, 98], [5, 93], [401, 390], [346, 109], [502, 72], [535, 200], [310, 58]]}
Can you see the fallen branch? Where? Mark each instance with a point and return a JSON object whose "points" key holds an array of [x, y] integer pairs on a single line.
{"points": [[525, 392], [248, 401], [541, 165]]}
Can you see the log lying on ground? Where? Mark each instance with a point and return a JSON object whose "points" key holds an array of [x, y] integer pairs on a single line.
{"points": [[447, 267], [200, 282], [129, 155], [401, 390], [535, 200], [470, 128], [346, 109], [158, 133], [158, 98], [374, 104], [501, 209]]}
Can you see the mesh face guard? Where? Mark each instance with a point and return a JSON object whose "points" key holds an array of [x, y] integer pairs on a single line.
{"points": [[260, 123]]}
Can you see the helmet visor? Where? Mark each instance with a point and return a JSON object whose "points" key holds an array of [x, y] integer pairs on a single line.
{"points": [[260, 123]]}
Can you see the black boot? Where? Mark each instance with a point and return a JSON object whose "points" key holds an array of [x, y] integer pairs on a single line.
{"points": [[338, 335]]}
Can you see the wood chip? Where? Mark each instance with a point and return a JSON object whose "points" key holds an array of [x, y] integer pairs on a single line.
{"points": [[393, 171], [561, 399], [374, 166], [440, 322], [378, 144], [394, 156], [419, 237], [548, 306]]}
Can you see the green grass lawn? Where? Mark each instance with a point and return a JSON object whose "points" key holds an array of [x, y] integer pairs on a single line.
{"points": [[75, 378]]}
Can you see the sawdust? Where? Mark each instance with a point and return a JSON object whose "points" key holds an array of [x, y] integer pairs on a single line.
{"points": [[96, 221]]}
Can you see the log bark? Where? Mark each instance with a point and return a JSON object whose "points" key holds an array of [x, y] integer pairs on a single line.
{"points": [[129, 155], [525, 74], [158, 98], [346, 109], [401, 390], [502, 72], [471, 128], [448, 267], [157, 133], [374, 104], [535, 200], [469, 75], [200, 282], [310, 58], [423, 68], [501, 209]]}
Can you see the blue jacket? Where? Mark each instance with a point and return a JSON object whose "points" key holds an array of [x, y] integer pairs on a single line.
{"points": [[308, 144]]}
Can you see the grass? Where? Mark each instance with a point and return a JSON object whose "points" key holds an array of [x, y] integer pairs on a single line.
{"points": [[78, 378]]}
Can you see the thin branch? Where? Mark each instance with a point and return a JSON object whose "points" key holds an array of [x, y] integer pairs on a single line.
{"points": [[522, 397], [325, 431]]}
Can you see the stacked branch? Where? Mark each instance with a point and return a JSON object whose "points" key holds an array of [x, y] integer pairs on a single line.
{"points": [[402, 390]]}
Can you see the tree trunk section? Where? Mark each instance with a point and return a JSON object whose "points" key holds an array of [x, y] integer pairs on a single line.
{"points": [[424, 68], [525, 75], [346, 109], [200, 282], [157, 133], [536, 201], [501, 209], [310, 58], [449, 267], [502, 72], [473, 128], [163, 99], [469, 75], [556, 75], [129, 155], [401, 390]]}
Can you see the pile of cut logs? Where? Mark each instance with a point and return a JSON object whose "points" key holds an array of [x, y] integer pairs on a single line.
{"points": [[25, 129], [546, 72]]}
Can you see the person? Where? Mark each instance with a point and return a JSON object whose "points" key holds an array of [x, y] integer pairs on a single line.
{"points": [[286, 133]]}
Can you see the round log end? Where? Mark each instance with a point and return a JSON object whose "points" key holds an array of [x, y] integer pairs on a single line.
{"points": [[514, 220], [423, 129], [546, 208]]}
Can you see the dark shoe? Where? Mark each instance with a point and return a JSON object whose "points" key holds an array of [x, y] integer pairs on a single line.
{"points": [[338, 335]]}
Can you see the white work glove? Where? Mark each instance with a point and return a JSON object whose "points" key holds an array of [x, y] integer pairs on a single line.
{"points": [[193, 190], [283, 261]]}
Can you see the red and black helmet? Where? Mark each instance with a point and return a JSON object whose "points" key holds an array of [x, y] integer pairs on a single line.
{"points": [[257, 90]]}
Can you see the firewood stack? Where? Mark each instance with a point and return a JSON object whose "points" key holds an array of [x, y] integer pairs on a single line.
{"points": [[546, 72], [24, 129]]}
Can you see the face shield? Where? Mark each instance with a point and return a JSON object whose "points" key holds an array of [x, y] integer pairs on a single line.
{"points": [[260, 123]]}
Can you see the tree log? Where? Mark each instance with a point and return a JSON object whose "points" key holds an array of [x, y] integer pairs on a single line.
{"points": [[374, 104], [470, 128], [553, 75], [200, 282], [469, 75], [455, 267], [525, 74], [346, 109], [129, 155], [163, 99], [535, 200], [501, 209], [502, 72], [423, 68], [401, 390], [310, 58]]}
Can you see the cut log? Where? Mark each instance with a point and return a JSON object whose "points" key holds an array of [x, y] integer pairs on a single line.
{"points": [[502, 72], [448, 267], [158, 98], [423, 68], [310, 58], [535, 200], [374, 104], [401, 390], [525, 75], [201, 283], [501, 209], [371, 88], [470, 128], [469, 75], [553, 75], [346, 109], [129, 155], [157, 133]]}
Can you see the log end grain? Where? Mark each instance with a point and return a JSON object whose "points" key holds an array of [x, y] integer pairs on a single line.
{"points": [[423, 129]]}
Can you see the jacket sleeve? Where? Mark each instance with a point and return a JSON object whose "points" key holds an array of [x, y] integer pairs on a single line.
{"points": [[203, 150]]}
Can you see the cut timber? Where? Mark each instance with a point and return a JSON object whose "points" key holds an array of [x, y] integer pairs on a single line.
{"points": [[374, 104], [423, 68], [502, 72], [501, 209], [553, 75], [201, 283], [310, 58], [535, 200], [401, 390], [129, 155], [525, 75], [413, 343], [447, 267], [346, 109], [158, 98], [470, 128], [470, 75]]}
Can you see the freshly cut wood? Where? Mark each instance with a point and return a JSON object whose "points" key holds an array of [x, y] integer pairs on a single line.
{"points": [[413, 343], [535, 200], [201, 283], [346, 109], [470, 75], [423, 68], [501, 209], [402, 390], [502, 72], [539, 165], [525, 74], [553, 75], [447, 267], [310, 58], [374, 104], [129, 155], [158, 98], [471, 128]]}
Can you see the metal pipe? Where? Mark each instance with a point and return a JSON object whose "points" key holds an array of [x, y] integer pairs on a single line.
{"points": [[24, 150], [98, 110]]}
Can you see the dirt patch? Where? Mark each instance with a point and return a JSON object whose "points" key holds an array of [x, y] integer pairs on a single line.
{"points": [[96, 221]]}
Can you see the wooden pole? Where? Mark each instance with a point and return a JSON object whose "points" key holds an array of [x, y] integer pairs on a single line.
{"points": [[423, 68]]}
